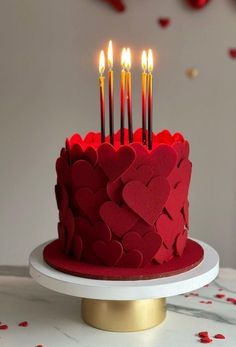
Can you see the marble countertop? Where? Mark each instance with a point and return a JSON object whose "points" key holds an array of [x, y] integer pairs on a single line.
{"points": [[54, 319]]}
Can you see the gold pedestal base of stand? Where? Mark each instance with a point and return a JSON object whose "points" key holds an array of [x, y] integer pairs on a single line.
{"points": [[123, 316]]}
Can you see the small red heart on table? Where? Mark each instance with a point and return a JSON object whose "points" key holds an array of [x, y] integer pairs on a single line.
{"points": [[182, 150], [232, 53], [90, 202], [120, 219], [66, 229], [149, 201], [164, 254], [181, 173], [3, 327], [198, 4], [61, 198], [92, 232], [148, 245], [169, 229], [114, 191], [109, 252], [77, 247], [84, 175], [176, 199], [63, 171], [115, 163], [23, 324], [164, 22], [181, 242], [163, 159], [142, 227], [117, 4], [143, 174], [133, 259]]}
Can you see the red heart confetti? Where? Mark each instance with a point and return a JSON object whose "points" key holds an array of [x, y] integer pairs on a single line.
{"points": [[120, 219], [117, 5], [233, 300], [219, 336], [115, 163], [109, 252], [3, 327], [133, 259], [232, 53], [164, 22], [151, 199], [23, 324], [198, 4], [205, 340], [220, 296], [203, 334]]}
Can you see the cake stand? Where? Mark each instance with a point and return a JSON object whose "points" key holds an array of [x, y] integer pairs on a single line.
{"points": [[124, 305]]}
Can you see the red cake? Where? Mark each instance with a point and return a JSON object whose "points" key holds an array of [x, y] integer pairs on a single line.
{"points": [[123, 209]]}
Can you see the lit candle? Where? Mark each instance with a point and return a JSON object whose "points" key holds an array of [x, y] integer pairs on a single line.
{"points": [[150, 68], [102, 99], [111, 92], [144, 92], [122, 95], [129, 94]]}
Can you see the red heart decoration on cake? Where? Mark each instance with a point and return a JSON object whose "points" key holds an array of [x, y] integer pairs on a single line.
{"points": [[181, 242], [176, 199], [148, 245], [232, 53], [84, 175], [115, 163], [77, 153], [181, 173], [164, 22], [163, 137], [142, 227], [163, 160], [90, 202], [61, 235], [168, 229], [66, 230], [143, 174], [163, 254], [92, 232], [182, 150], [63, 171], [114, 191], [141, 156], [133, 259], [186, 213], [62, 199], [120, 219], [109, 252], [149, 201], [77, 247]]}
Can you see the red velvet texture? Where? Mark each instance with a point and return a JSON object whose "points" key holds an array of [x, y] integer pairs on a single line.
{"points": [[123, 205]]}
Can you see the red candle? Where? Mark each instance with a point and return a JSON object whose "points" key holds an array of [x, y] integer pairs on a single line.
{"points": [[122, 96], [129, 94], [101, 89], [111, 92], [144, 95], [150, 68]]}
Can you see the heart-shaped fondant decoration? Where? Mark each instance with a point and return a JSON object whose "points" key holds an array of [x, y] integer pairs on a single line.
{"points": [[92, 232], [120, 219], [77, 247], [185, 212], [114, 191], [115, 163], [109, 252], [61, 235], [176, 199], [63, 171], [84, 175], [142, 227], [66, 229], [181, 173], [182, 150], [163, 160], [164, 22], [163, 137], [131, 259], [62, 199], [74, 139], [148, 245], [141, 155], [90, 202], [149, 201], [77, 153], [163, 254], [232, 53], [169, 229], [143, 174], [181, 242]]}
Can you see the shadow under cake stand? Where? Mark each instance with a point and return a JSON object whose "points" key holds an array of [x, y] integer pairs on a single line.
{"points": [[116, 305]]}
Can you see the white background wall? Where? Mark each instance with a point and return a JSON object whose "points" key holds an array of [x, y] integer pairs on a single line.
{"points": [[48, 90]]}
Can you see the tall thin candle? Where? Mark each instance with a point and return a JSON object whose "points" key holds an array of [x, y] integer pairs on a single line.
{"points": [[144, 95], [111, 92], [101, 89], [122, 96], [129, 94], [150, 69]]}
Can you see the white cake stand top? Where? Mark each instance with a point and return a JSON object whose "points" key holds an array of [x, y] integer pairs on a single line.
{"points": [[191, 280]]}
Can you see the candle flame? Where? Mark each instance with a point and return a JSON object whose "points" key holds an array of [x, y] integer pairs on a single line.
{"points": [[123, 58], [144, 61], [110, 55], [128, 59], [150, 61], [102, 62]]}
